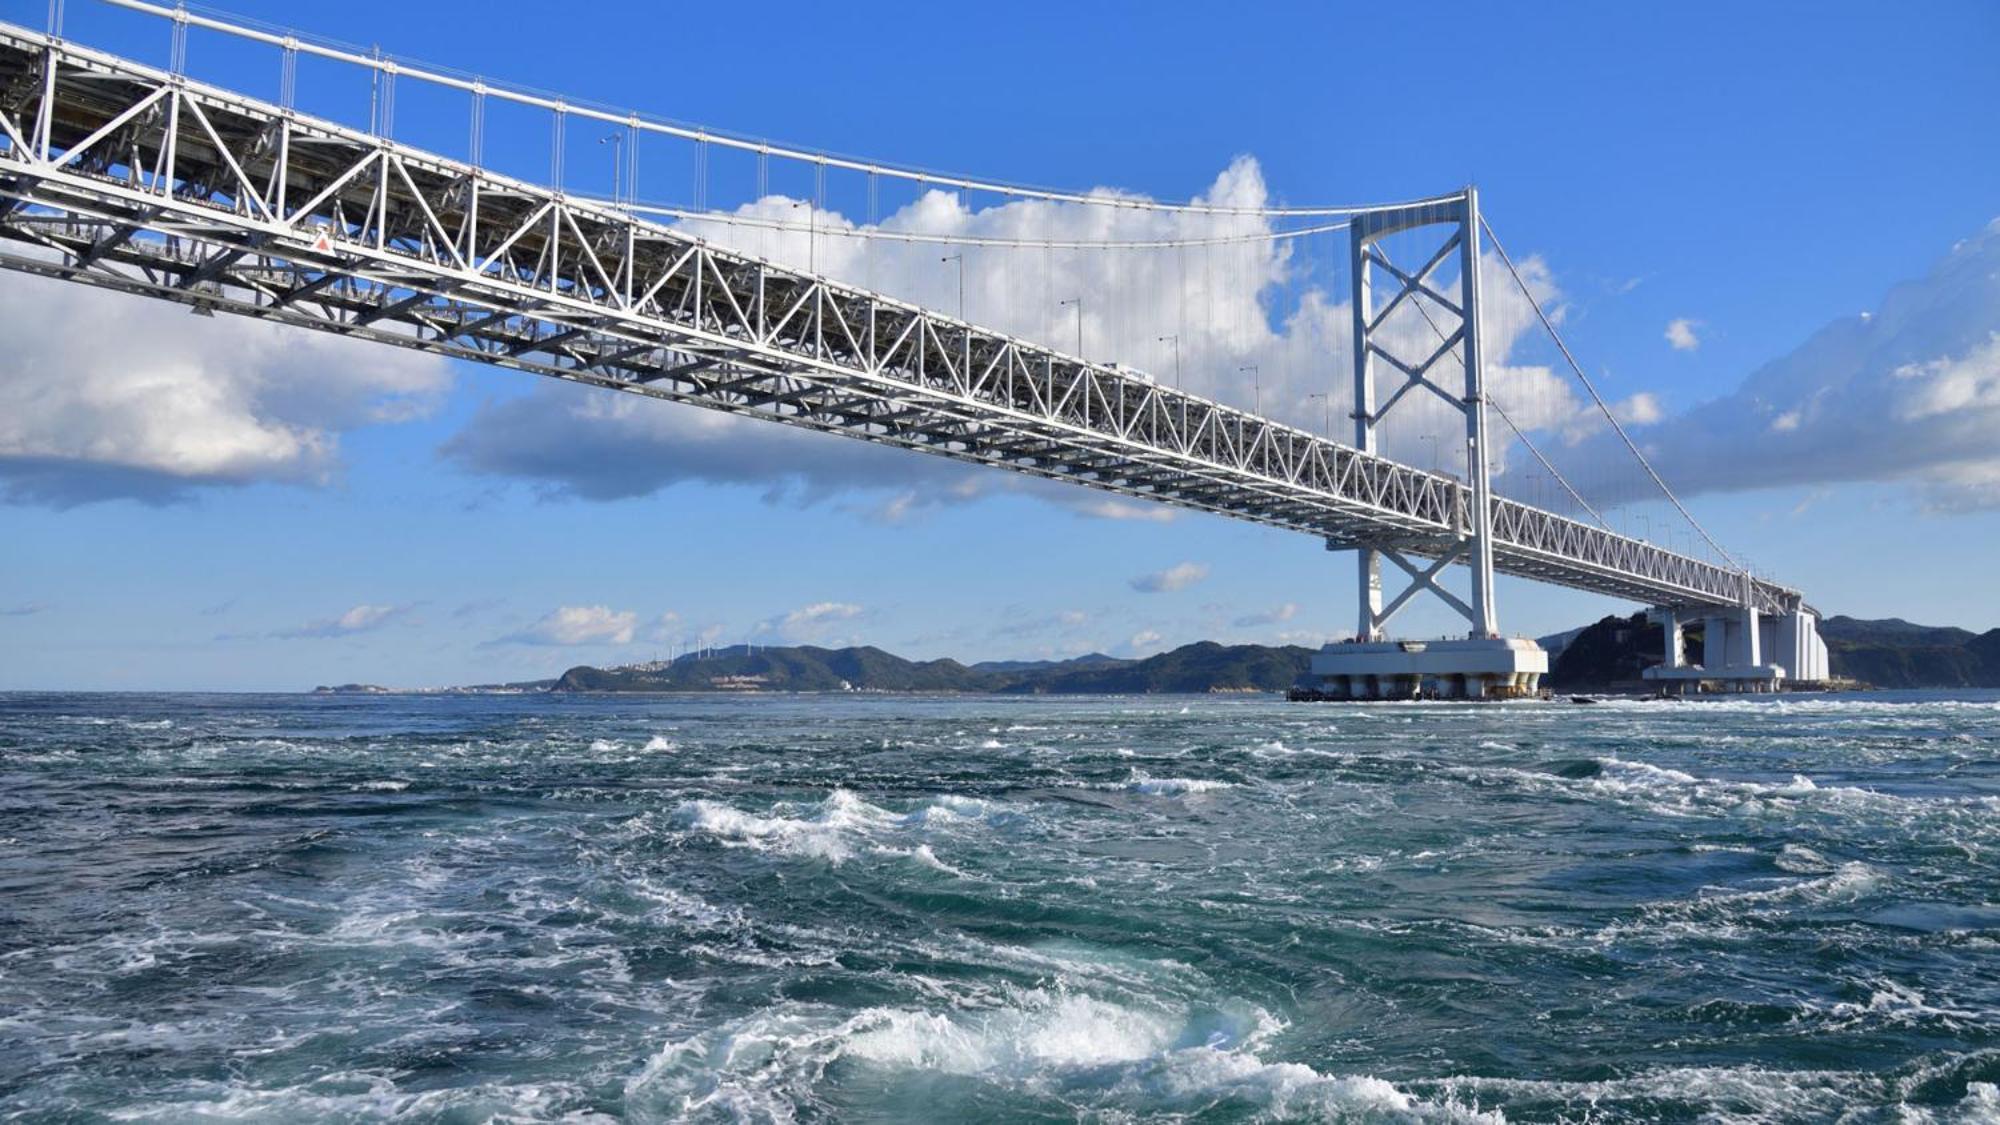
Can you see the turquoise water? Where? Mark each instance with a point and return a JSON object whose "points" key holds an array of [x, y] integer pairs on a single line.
{"points": [[291, 908]]}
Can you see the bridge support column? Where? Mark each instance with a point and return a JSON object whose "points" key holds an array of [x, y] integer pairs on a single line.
{"points": [[1670, 623], [1482, 664], [1752, 650], [1714, 641], [1733, 652], [1478, 470], [1369, 566]]}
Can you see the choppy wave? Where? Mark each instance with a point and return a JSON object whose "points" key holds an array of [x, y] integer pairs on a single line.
{"points": [[1176, 786], [941, 909], [1045, 1048]]}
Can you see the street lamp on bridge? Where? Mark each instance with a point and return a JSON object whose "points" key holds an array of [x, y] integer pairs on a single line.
{"points": [[617, 143], [1078, 302], [1326, 424], [960, 259], [812, 234], [965, 334]]}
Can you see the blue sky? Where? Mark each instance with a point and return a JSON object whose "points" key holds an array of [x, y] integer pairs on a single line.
{"points": [[1762, 176]]}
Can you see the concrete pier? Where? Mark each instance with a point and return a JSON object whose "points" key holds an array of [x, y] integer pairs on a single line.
{"points": [[1471, 668], [1742, 651]]}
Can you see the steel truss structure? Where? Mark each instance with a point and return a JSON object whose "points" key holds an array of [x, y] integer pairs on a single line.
{"points": [[128, 177]]}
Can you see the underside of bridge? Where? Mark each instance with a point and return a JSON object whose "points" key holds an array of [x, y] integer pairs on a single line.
{"points": [[137, 179]]}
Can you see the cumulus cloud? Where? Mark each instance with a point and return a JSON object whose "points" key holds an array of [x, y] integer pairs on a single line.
{"points": [[1177, 577], [666, 628], [360, 619], [1143, 643], [1681, 335], [105, 395], [1022, 622], [1275, 616], [595, 444], [809, 623], [476, 607], [1910, 393], [578, 625], [1642, 409], [1107, 508]]}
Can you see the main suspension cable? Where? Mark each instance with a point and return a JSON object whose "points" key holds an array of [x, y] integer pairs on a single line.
{"points": [[882, 234], [1609, 416], [184, 15]]}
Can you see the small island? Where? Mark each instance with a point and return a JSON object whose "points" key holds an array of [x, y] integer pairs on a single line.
{"points": [[1606, 656], [1202, 667]]}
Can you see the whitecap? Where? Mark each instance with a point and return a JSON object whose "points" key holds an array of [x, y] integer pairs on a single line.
{"points": [[1100, 1056], [1800, 786], [1175, 786], [832, 833]]}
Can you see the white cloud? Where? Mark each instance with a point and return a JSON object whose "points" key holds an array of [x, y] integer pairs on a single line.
{"points": [[810, 623], [1021, 622], [578, 625], [1642, 409], [602, 445], [360, 619], [1177, 577], [1951, 384], [1910, 393], [1305, 638], [1106, 508], [1680, 333], [106, 395], [1276, 616], [821, 612], [666, 628], [1143, 643]]}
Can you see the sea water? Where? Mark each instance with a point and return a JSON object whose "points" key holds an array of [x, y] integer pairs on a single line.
{"points": [[944, 909]]}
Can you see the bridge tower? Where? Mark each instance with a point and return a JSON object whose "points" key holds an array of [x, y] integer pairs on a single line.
{"points": [[1413, 352]]}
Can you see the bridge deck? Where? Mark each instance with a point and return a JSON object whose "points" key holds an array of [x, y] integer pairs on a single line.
{"points": [[120, 175]]}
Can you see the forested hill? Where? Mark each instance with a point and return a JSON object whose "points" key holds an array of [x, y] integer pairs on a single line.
{"points": [[1889, 653], [1893, 653], [1202, 667]]}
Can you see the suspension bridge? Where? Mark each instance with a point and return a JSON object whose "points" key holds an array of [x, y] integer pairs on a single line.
{"points": [[143, 179]]}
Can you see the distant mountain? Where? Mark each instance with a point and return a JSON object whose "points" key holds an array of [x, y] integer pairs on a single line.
{"points": [[1612, 652], [1202, 667], [1090, 660], [1894, 653], [1892, 630]]}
